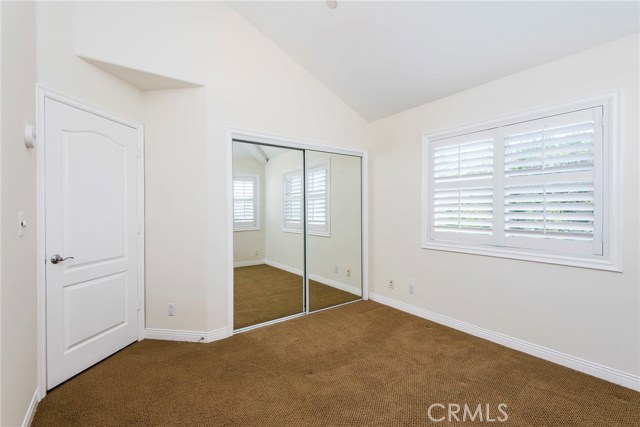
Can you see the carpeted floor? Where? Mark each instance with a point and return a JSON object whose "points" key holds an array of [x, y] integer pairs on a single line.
{"points": [[263, 293], [362, 364]]}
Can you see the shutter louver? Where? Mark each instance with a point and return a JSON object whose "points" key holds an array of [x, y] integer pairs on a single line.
{"points": [[293, 200], [555, 211], [317, 200], [568, 148], [549, 183], [245, 202], [462, 198], [464, 210], [463, 161], [316, 196]]}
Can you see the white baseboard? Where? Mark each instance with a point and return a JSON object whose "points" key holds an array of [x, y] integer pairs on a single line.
{"points": [[335, 284], [31, 410], [606, 373], [182, 335], [248, 263], [283, 267], [323, 280]]}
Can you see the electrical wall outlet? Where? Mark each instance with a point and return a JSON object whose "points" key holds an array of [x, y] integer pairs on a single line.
{"points": [[171, 309], [22, 224], [391, 284], [257, 252], [412, 289], [335, 269], [348, 272]]}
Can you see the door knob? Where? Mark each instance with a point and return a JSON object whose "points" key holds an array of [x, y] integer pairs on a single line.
{"points": [[57, 258]]}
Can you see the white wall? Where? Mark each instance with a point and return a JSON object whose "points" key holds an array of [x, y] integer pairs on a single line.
{"points": [[250, 83], [342, 248], [37, 45], [247, 242], [59, 68], [281, 247], [175, 198], [593, 315], [18, 194]]}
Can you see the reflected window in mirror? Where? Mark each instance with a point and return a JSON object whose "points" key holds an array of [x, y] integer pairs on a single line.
{"points": [[292, 195], [318, 200]]}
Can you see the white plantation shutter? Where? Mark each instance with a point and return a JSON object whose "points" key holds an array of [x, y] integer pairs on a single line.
{"points": [[462, 197], [317, 200], [463, 210], [245, 202], [292, 209], [558, 144], [535, 185], [550, 197], [555, 211]]}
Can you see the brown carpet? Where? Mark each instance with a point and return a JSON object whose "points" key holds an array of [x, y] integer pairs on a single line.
{"points": [[361, 364], [263, 293]]}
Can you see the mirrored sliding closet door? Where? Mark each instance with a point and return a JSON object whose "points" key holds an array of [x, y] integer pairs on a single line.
{"points": [[334, 229], [268, 247], [297, 232]]}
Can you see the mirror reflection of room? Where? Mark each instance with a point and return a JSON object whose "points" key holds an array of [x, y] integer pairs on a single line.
{"points": [[268, 281], [269, 239], [334, 228]]}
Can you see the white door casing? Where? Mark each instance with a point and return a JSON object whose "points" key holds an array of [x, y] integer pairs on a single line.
{"points": [[91, 213]]}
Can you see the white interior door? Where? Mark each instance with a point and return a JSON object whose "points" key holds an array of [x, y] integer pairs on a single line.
{"points": [[91, 197]]}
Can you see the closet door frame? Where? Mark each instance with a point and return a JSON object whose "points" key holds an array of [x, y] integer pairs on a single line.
{"points": [[248, 136]]}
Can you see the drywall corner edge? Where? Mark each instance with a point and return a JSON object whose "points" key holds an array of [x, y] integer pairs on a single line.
{"points": [[33, 405]]}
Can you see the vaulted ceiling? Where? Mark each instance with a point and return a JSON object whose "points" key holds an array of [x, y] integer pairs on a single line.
{"points": [[385, 57]]}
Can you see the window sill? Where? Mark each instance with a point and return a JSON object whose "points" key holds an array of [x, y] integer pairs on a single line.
{"points": [[511, 253], [247, 229]]}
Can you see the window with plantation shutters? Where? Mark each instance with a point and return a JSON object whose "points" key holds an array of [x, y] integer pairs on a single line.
{"points": [[317, 200], [550, 199], [292, 194], [245, 203], [530, 189]]}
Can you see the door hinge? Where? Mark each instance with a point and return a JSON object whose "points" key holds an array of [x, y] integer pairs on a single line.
{"points": [[139, 305]]}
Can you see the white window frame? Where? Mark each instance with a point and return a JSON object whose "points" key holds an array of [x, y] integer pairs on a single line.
{"points": [[256, 203], [610, 216], [311, 230]]}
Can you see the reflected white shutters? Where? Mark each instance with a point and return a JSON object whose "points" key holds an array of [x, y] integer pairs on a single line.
{"points": [[532, 185], [245, 202], [317, 199], [292, 209]]}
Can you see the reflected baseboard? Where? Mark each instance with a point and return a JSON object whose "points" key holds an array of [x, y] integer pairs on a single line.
{"points": [[315, 277], [248, 263], [283, 267], [336, 284]]}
